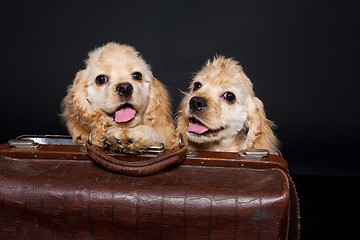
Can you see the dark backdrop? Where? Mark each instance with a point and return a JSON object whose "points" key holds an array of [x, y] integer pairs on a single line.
{"points": [[302, 56]]}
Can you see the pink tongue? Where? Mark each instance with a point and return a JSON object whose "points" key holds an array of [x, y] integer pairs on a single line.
{"points": [[197, 128], [124, 114]]}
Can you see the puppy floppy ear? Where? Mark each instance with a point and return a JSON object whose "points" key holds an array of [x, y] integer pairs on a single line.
{"points": [[158, 113], [260, 134], [77, 112]]}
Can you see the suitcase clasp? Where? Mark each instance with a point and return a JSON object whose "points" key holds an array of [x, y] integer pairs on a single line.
{"points": [[23, 144], [253, 153]]}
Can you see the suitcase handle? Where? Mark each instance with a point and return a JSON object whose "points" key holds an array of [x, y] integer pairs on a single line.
{"points": [[138, 168]]}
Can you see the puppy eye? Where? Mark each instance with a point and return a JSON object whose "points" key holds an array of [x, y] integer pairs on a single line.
{"points": [[101, 79], [229, 96], [197, 86], [137, 76]]}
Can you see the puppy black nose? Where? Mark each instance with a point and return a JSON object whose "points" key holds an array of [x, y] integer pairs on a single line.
{"points": [[197, 104], [124, 89]]}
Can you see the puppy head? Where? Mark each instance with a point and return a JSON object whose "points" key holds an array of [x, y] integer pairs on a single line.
{"points": [[216, 107], [117, 83]]}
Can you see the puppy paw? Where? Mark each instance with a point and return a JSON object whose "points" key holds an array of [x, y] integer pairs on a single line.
{"points": [[142, 137], [115, 139], [96, 140], [133, 140]]}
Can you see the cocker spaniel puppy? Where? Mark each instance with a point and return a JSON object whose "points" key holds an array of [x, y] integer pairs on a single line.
{"points": [[118, 103], [221, 112]]}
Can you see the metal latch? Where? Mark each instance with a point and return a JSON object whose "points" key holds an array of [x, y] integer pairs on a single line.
{"points": [[23, 144], [189, 153], [154, 149], [253, 153], [49, 139]]}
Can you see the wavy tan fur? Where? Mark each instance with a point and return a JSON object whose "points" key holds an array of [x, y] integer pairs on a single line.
{"points": [[89, 107], [233, 125]]}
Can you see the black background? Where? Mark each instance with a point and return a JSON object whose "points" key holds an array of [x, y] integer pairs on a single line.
{"points": [[301, 55]]}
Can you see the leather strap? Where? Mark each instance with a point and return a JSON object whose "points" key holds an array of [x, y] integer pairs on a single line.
{"points": [[137, 168]]}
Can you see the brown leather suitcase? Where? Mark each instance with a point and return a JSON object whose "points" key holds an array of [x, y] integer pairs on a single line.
{"points": [[54, 190]]}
